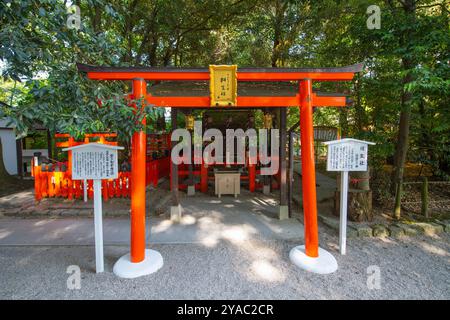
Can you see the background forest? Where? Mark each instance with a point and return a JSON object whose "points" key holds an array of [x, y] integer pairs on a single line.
{"points": [[401, 100]]}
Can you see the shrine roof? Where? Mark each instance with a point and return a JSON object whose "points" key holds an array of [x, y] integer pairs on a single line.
{"points": [[346, 69]]}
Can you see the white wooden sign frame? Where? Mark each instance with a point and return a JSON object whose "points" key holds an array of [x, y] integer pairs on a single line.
{"points": [[346, 155], [95, 161]]}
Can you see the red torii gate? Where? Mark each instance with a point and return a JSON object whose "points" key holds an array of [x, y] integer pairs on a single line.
{"points": [[306, 99]]}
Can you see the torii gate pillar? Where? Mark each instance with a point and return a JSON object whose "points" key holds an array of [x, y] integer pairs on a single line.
{"points": [[139, 261], [310, 257]]}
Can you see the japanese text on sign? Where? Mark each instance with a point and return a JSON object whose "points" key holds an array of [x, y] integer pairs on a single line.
{"points": [[348, 156], [94, 164], [223, 85]]}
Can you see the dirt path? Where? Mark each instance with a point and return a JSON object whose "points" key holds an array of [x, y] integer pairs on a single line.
{"points": [[417, 268]]}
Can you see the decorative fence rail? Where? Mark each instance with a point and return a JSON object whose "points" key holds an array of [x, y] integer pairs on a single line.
{"points": [[55, 179], [438, 201]]}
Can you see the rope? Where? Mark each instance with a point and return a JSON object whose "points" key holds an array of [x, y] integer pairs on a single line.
{"points": [[356, 180]]}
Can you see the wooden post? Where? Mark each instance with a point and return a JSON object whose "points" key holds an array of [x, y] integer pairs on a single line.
{"points": [[424, 195], [284, 210], [251, 177], [191, 182], [49, 145], [98, 226], [69, 170], [343, 213], [291, 171], [174, 176], [190, 174], [203, 177], [36, 170], [283, 187], [291, 165], [19, 158]]}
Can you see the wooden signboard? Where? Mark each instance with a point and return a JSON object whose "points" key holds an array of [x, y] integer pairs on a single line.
{"points": [[95, 161], [346, 155], [223, 85]]}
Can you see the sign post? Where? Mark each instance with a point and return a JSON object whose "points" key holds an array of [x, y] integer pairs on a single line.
{"points": [[95, 161], [343, 212], [85, 195], [346, 155], [98, 226]]}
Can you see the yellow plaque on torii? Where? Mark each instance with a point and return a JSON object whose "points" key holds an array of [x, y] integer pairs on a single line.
{"points": [[223, 85]]}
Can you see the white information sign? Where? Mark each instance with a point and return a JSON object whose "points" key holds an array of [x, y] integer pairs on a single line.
{"points": [[95, 161], [346, 155]]}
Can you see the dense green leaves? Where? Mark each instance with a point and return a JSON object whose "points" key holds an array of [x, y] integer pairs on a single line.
{"points": [[38, 54]]}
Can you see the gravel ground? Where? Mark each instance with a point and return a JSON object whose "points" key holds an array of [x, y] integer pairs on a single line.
{"points": [[413, 268]]}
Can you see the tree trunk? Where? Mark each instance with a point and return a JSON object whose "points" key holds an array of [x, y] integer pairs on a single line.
{"points": [[152, 52], [96, 18], [359, 110], [277, 38], [401, 148], [343, 121], [426, 142], [359, 205], [362, 180]]}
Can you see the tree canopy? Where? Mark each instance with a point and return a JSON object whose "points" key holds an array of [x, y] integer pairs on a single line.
{"points": [[401, 99]]}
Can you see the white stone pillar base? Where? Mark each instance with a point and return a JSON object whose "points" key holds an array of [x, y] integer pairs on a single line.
{"points": [[325, 263], [152, 262]]}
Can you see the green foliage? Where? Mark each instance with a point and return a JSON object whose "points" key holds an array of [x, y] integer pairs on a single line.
{"points": [[41, 84], [41, 54]]}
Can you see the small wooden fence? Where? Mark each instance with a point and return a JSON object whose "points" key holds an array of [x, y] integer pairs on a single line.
{"points": [[55, 179], [440, 200]]}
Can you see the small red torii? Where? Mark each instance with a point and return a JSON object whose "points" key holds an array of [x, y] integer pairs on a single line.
{"points": [[305, 99]]}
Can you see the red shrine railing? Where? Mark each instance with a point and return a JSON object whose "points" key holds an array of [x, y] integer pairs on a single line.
{"points": [[54, 179], [201, 173]]}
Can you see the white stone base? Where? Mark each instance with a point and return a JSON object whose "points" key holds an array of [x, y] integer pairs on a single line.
{"points": [[175, 213], [283, 213], [266, 189], [325, 263], [124, 268], [190, 190]]}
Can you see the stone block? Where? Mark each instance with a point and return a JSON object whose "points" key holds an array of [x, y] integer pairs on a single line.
{"points": [[396, 231], [190, 190], [428, 228], [330, 222], [364, 231], [380, 231], [408, 229], [175, 213], [283, 213]]}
